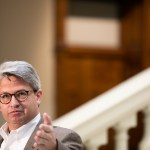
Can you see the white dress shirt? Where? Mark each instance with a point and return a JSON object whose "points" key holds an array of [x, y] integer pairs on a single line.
{"points": [[17, 139]]}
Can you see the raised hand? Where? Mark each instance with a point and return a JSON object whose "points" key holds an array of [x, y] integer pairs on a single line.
{"points": [[45, 137]]}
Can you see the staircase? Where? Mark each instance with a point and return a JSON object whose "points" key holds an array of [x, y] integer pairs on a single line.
{"points": [[117, 109]]}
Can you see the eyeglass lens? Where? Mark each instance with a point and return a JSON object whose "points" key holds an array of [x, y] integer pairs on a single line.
{"points": [[19, 95]]}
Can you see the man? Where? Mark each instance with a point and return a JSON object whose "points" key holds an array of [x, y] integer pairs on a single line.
{"points": [[25, 128]]}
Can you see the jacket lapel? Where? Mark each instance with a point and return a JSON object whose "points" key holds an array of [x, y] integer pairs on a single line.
{"points": [[29, 145]]}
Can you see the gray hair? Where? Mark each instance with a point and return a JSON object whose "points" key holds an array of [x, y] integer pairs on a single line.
{"points": [[23, 70]]}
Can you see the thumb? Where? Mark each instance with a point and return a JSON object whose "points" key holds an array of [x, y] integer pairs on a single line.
{"points": [[47, 119]]}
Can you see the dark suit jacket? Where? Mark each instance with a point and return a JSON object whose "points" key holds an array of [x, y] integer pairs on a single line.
{"points": [[66, 139]]}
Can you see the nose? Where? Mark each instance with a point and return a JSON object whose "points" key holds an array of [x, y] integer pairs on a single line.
{"points": [[14, 102]]}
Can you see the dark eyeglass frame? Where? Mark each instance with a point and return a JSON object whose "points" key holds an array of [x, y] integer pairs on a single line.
{"points": [[16, 95]]}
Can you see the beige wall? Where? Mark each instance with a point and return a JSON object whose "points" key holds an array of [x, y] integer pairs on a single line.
{"points": [[27, 33]]}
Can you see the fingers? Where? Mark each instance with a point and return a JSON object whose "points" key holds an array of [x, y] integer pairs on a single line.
{"points": [[41, 138], [46, 128], [45, 136], [40, 134]]}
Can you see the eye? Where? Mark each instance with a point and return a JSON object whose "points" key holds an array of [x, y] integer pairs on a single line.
{"points": [[5, 96], [21, 94]]}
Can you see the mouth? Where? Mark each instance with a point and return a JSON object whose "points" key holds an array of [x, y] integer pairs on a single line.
{"points": [[15, 112]]}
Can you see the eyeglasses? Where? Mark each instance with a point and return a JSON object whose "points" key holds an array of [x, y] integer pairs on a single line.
{"points": [[19, 95]]}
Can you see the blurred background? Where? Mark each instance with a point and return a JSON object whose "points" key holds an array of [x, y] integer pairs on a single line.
{"points": [[27, 33], [80, 48], [99, 43]]}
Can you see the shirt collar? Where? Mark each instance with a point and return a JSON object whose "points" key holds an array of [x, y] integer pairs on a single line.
{"points": [[20, 131]]}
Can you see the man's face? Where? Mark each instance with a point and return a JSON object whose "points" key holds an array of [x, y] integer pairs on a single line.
{"points": [[18, 113]]}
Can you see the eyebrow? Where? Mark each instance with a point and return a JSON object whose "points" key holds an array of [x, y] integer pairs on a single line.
{"points": [[14, 92]]}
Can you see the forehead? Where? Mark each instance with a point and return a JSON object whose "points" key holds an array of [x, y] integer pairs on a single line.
{"points": [[12, 82], [11, 79]]}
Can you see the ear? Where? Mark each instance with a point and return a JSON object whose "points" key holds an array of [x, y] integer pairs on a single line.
{"points": [[39, 96]]}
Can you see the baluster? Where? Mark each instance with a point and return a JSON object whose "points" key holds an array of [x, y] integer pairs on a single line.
{"points": [[97, 141], [145, 143], [121, 134]]}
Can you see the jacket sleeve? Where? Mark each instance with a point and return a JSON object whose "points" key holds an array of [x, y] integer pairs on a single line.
{"points": [[68, 139]]}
